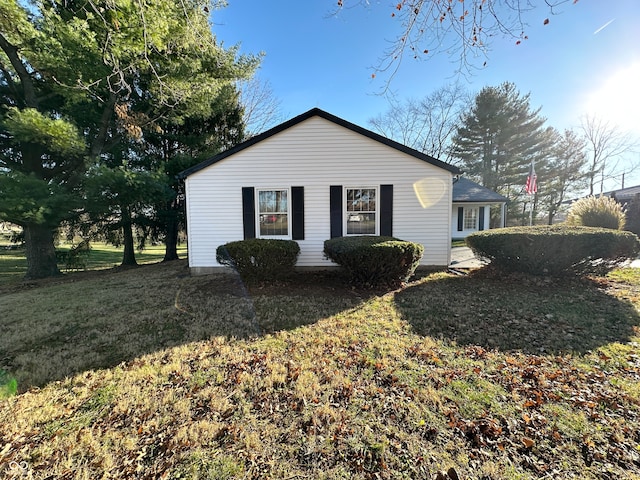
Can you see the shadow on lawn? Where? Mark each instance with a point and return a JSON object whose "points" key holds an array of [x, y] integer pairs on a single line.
{"points": [[304, 299], [530, 314], [90, 320]]}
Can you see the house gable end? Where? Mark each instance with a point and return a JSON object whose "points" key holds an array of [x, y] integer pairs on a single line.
{"points": [[327, 116]]}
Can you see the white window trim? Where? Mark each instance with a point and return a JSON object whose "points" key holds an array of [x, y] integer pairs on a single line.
{"points": [[345, 213], [476, 226], [257, 209]]}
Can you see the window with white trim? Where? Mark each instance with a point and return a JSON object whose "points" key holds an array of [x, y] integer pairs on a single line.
{"points": [[361, 211], [470, 219], [273, 213]]}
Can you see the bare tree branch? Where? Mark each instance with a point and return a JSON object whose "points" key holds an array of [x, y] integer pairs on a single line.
{"points": [[261, 107], [606, 143], [462, 30], [427, 124]]}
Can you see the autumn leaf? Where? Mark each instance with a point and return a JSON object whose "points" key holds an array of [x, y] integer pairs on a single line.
{"points": [[528, 443]]}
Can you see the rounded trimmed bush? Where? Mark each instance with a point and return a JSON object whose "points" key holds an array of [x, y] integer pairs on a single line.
{"points": [[259, 258], [373, 261], [555, 250], [603, 212]]}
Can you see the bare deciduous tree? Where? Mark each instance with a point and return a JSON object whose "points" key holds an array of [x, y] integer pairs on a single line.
{"points": [[606, 143], [261, 107], [428, 124]]}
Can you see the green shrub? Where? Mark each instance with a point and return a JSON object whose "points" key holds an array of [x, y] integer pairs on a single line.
{"points": [[8, 385], [260, 259], [556, 250], [375, 261], [603, 212]]}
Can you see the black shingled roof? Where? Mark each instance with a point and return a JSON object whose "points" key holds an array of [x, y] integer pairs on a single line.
{"points": [[332, 118], [464, 190]]}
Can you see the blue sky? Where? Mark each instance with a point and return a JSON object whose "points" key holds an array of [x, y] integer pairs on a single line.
{"points": [[586, 60]]}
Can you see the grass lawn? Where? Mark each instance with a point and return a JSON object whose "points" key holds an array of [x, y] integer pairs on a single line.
{"points": [[150, 373], [13, 264]]}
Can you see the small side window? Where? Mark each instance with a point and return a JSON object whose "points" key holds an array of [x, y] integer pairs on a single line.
{"points": [[273, 213], [470, 219], [361, 211]]}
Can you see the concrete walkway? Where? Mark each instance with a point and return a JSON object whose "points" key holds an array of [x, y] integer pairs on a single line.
{"points": [[462, 257]]}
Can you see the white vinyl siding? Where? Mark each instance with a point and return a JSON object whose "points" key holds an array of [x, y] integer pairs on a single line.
{"points": [[316, 154]]}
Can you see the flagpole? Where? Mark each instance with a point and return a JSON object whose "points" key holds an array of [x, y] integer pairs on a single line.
{"points": [[531, 210], [531, 188]]}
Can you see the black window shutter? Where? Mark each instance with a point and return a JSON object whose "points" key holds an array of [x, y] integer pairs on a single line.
{"points": [[335, 210], [481, 218], [249, 212], [460, 218], [386, 210], [297, 213]]}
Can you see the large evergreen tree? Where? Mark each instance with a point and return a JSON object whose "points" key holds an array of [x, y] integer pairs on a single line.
{"points": [[182, 142], [42, 151], [499, 136], [83, 69], [565, 173]]}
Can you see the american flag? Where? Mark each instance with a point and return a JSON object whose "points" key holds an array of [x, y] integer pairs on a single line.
{"points": [[532, 181]]}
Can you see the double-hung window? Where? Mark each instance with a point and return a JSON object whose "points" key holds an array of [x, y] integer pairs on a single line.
{"points": [[470, 219], [273, 213], [361, 211]]}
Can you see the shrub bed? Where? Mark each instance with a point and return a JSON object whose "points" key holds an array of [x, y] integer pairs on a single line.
{"points": [[259, 259], [372, 261], [556, 250]]}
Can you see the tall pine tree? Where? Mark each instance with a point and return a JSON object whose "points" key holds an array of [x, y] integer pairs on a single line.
{"points": [[499, 137], [566, 174]]}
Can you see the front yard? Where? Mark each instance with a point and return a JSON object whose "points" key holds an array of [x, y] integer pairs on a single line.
{"points": [[152, 373]]}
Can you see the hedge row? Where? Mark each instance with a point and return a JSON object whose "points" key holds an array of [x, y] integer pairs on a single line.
{"points": [[555, 250]]}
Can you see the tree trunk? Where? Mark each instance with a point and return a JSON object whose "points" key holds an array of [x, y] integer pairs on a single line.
{"points": [[40, 251], [129, 255], [171, 237]]}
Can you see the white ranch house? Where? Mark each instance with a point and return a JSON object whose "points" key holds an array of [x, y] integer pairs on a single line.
{"points": [[312, 178]]}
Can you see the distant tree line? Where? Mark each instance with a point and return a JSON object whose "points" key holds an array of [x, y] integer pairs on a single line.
{"points": [[494, 138]]}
